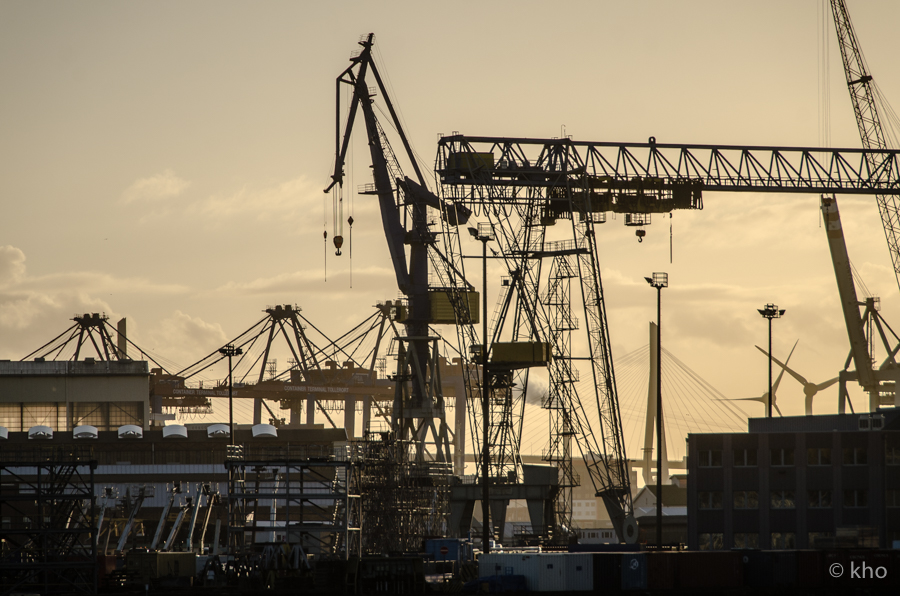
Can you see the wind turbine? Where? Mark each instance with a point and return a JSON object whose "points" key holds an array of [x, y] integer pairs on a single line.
{"points": [[764, 398], [809, 389]]}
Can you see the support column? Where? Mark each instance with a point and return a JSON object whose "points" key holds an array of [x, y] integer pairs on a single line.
{"points": [[311, 409], [350, 416], [366, 414]]}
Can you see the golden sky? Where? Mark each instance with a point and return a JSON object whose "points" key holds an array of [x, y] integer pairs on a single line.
{"points": [[165, 161]]}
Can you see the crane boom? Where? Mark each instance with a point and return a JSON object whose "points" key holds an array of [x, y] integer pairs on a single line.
{"points": [[862, 95]]}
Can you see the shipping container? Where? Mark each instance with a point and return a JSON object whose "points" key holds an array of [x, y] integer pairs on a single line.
{"points": [[757, 569], [784, 568], [579, 572], [449, 549], [719, 569], [543, 572], [661, 570], [810, 568], [525, 565], [634, 571], [607, 572], [551, 572]]}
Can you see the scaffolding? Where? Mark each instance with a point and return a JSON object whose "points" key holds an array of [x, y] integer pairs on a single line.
{"points": [[306, 497], [404, 501], [48, 532]]}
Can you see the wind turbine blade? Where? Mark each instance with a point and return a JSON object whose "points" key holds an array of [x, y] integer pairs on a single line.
{"points": [[777, 409], [827, 383], [761, 398], [784, 367]]}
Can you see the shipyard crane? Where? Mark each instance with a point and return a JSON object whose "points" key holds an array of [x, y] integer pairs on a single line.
{"points": [[863, 97], [420, 436], [525, 185], [880, 383], [418, 411]]}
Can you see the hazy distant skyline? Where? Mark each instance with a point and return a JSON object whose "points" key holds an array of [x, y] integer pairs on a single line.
{"points": [[165, 162]]}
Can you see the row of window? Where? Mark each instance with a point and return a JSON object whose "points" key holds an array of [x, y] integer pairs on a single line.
{"points": [[778, 540], [19, 417], [815, 456], [784, 499]]}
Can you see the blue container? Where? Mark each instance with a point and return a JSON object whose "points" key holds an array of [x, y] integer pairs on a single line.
{"points": [[444, 549], [634, 571]]}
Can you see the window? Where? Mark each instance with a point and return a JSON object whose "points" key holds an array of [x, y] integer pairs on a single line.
{"points": [[821, 539], [892, 498], [714, 541], [710, 500], [11, 416], [782, 499], [746, 540], [856, 498], [744, 457], [819, 499], [44, 414], [855, 456], [891, 454], [710, 458], [818, 456], [783, 540], [782, 457], [746, 499]]}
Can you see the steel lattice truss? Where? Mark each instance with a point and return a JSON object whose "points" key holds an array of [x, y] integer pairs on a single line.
{"points": [[871, 133], [49, 537], [672, 173], [523, 185]]}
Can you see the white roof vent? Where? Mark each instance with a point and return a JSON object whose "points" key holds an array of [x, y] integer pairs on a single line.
{"points": [[174, 431], [40, 432], [217, 430], [264, 431], [131, 431], [85, 432], [4, 432]]}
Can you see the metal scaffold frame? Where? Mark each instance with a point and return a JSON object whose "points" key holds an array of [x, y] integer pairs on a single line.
{"points": [[403, 499], [309, 495], [48, 534]]}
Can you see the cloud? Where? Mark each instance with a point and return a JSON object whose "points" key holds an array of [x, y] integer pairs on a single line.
{"points": [[34, 310], [12, 264], [313, 281], [162, 186], [185, 339]]}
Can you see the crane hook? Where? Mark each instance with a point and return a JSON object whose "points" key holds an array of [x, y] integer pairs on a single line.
{"points": [[640, 234]]}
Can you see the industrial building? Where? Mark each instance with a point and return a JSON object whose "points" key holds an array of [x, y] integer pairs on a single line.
{"points": [[797, 482]]}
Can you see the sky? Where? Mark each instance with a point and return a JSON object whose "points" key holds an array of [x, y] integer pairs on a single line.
{"points": [[165, 162]]}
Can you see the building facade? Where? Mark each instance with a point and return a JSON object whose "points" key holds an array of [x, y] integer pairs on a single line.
{"points": [[797, 482]]}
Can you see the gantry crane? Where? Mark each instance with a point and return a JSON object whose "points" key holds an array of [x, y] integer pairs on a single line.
{"points": [[525, 185]]}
